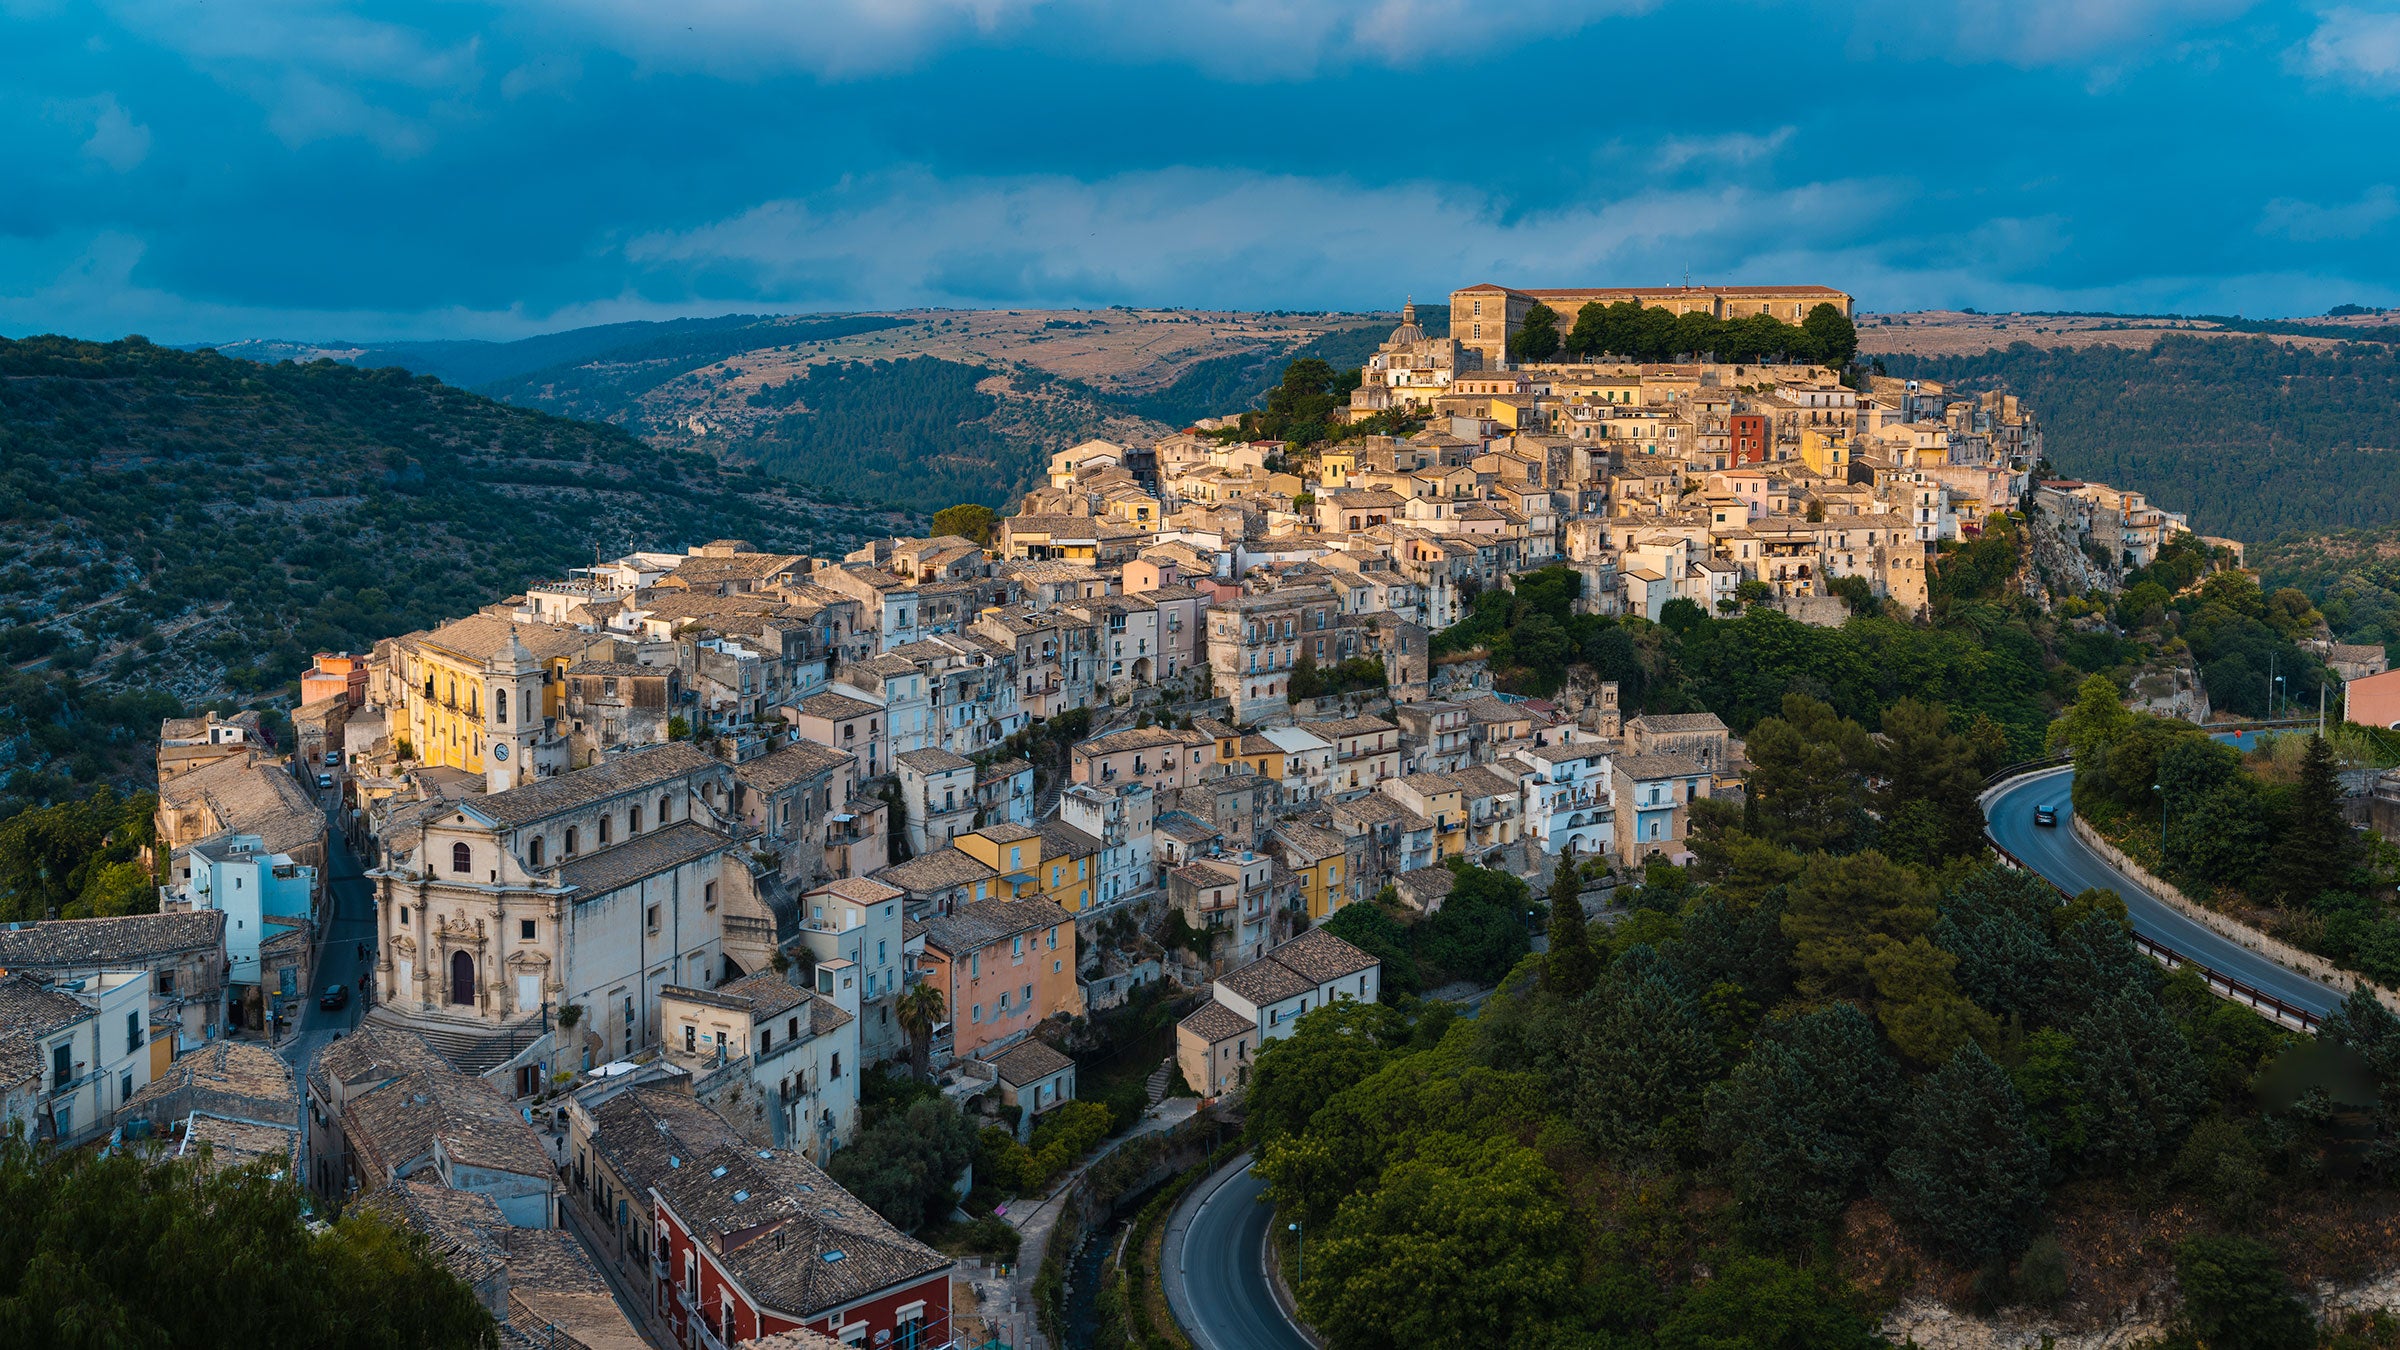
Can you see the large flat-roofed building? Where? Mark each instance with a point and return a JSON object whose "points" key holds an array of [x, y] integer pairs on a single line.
{"points": [[1482, 318]]}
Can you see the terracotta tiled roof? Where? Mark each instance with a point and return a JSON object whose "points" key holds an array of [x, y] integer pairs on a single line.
{"points": [[400, 1123], [782, 768], [134, 939], [985, 922], [806, 1244], [938, 870], [1030, 1062], [1213, 1022], [596, 874], [634, 769]]}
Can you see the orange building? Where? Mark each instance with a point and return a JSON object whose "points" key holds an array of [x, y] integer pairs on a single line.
{"points": [[1003, 966]]}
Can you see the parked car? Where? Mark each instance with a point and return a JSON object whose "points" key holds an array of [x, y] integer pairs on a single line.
{"points": [[333, 759], [335, 998], [2045, 814], [325, 780]]}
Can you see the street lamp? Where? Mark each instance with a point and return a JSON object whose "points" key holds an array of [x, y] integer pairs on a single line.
{"points": [[2161, 790], [1300, 1243]]}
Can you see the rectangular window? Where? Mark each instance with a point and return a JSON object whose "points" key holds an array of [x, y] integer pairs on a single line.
{"points": [[133, 1032], [708, 895], [525, 929], [651, 917]]}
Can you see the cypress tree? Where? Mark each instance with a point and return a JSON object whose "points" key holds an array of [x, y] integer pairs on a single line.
{"points": [[1571, 965], [2317, 848]]}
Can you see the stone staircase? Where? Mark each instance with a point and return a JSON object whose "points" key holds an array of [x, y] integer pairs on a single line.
{"points": [[471, 1047], [1160, 1077]]}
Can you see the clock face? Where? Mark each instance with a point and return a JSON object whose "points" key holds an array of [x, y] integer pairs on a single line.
{"points": [[500, 750]]}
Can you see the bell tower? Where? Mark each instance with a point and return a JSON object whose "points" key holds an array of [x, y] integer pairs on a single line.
{"points": [[513, 721]]}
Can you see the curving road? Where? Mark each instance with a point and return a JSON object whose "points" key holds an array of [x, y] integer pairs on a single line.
{"points": [[1214, 1265], [2056, 853]]}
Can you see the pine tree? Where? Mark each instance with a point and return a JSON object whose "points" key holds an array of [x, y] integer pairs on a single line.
{"points": [[1643, 1053], [1571, 965], [1994, 922], [2139, 1084], [1799, 1125], [1967, 1172]]}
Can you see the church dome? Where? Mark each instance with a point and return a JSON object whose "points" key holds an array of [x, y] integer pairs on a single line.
{"points": [[1407, 333]]}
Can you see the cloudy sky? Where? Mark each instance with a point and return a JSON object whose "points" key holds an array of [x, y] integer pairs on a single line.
{"points": [[201, 170]]}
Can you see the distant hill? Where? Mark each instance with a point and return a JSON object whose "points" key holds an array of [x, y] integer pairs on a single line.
{"points": [[475, 365], [2254, 437], [927, 408], [188, 524]]}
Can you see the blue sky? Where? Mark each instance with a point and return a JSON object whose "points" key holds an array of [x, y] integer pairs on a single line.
{"points": [[201, 170]]}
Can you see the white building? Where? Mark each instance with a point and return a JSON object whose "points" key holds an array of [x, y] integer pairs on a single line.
{"points": [[1122, 817], [594, 889], [1566, 800], [794, 1051], [261, 895], [938, 790], [1262, 1001], [72, 1052]]}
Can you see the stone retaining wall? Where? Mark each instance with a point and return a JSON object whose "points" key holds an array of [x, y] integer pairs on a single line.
{"points": [[2276, 950]]}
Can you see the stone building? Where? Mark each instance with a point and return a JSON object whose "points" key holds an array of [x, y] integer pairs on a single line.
{"points": [[593, 890]]}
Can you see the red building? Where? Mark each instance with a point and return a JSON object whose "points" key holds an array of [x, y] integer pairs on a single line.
{"points": [[1749, 432], [747, 1241]]}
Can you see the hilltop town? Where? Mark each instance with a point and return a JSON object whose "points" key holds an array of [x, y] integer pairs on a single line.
{"points": [[682, 844]]}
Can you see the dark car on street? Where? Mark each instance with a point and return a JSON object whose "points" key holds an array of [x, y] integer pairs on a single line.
{"points": [[336, 996], [2045, 814]]}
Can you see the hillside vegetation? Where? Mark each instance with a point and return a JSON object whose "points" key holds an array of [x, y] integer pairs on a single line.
{"points": [[2253, 437], [183, 526], [920, 410]]}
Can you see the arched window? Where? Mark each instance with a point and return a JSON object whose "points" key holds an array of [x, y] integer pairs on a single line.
{"points": [[633, 818], [604, 830], [500, 709], [666, 809], [570, 841], [461, 859], [533, 851]]}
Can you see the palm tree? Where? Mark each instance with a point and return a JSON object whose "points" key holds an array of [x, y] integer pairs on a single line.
{"points": [[920, 1010]]}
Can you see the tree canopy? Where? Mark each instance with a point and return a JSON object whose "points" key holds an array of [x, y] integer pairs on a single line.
{"points": [[120, 1250]]}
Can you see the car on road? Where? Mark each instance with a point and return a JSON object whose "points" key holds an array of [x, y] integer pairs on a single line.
{"points": [[333, 759], [2045, 814], [335, 997], [325, 780]]}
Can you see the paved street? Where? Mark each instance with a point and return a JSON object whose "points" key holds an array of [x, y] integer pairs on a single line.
{"points": [[2055, 852], [349, 921], [1213, 1263]]}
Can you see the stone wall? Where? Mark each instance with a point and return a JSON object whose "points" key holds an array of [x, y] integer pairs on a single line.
{"points": [[2274, 949]]}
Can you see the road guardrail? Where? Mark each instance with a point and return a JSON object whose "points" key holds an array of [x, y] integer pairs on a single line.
{"points": [[2222, 985]]}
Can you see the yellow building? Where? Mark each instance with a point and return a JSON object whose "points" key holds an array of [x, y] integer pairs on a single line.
{"points": [[1440, 798], [1013, 851], [1826, 451], [1054, 863], [1320, 860], [485, 682], [1069, 859]]}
